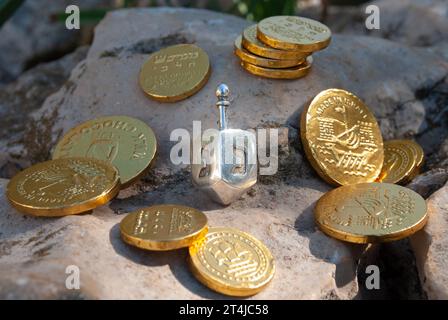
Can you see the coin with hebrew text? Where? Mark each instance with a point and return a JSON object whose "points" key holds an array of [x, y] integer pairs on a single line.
{"points": [[163, 227]]}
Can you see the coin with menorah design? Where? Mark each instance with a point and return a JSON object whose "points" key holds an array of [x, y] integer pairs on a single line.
{"points": [[128, 143], [175, 73], [400, 161], [163, 227], [341, 138], [370, 212], [232, 262], [63, 187]]}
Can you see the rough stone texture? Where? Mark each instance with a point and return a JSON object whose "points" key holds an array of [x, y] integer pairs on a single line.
{"points": [[398, 272], [20, 98], [412, 22], [431, 247], [429, 182], [31, 35], [407, 96], [34, 253]]}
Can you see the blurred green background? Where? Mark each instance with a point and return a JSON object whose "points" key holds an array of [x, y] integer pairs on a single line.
{"points": [[254, 10]]}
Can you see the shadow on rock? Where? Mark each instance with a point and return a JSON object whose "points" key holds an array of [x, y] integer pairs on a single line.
{"points": [[177, 260], [328, 249]]}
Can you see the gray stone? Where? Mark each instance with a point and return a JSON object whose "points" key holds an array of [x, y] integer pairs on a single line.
{"points": [[431, 246], [278, 210], [422, 23], [427, 183], [106, 82], [20, 98], [31, 35], [34, 253]]}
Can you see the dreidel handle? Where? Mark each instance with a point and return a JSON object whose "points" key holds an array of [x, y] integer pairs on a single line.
{"points": [[222, 93]]}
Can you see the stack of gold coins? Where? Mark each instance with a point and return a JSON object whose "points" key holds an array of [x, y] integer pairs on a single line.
{"points": [[343, 143], [90, 165], [280, 47], [226, 260]]}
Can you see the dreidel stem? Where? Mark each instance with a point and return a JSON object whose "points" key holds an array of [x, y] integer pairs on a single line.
{"points": [[222, 93]]}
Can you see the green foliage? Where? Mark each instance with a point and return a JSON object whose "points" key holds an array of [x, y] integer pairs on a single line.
{"points": [[257, 10], [250, 9], [7, 8]]}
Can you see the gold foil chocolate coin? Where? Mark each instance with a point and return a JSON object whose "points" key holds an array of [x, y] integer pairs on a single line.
{"points": [[163, 227], [175, 73], [370, 212], [232, 262], [294, 33], [63, 187], [399, 161], [248, 57], [417, 152], [128, 143], [251, 43], [286, 73], [341, 138]]}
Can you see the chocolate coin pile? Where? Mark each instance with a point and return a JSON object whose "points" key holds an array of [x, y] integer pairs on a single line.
{"points": [[280, 47]]}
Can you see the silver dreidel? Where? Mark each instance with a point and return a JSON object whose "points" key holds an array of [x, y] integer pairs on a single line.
{"points": [[228, 165]]}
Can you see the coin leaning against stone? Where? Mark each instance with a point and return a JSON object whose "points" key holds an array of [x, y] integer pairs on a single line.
{"points": [[163, 227], [232, 262], [128, 143], [175, 73], [419, 155], [63, 187], [400, 161], [370, 212], [341, 138]]}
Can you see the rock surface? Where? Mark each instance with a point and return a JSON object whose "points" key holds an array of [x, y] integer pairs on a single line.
{"points": [[406, 96], [34, 253], [431, 247], [31, 35], [20, 98], [420, 23]]}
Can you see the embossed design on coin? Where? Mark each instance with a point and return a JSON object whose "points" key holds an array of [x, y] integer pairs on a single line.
{"points": [[370, 212], [399, 162], [252, 44], [341, 138], [294, 33], [63, 187], [175, 73], [232, 262], [163, 227], [128, 143]]}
